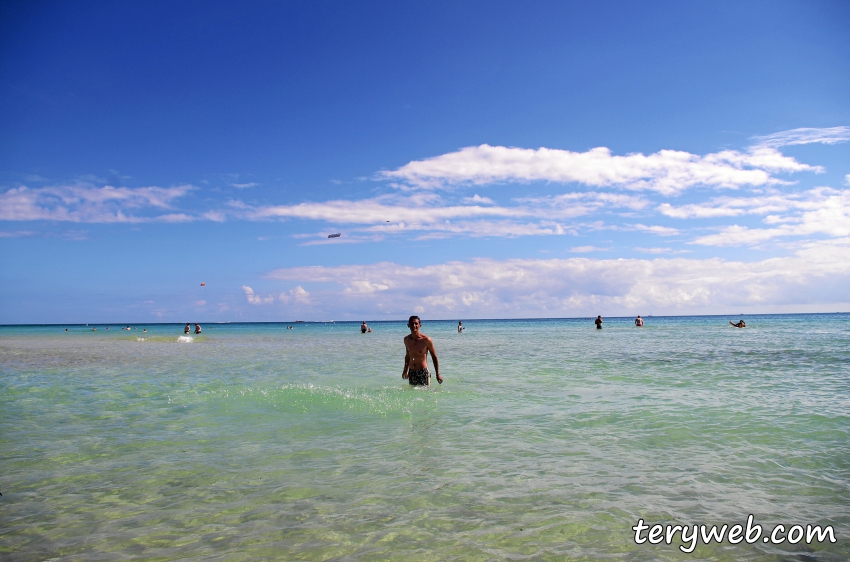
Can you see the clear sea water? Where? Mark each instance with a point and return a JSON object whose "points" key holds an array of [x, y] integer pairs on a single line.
{"points": [[548, 440]]}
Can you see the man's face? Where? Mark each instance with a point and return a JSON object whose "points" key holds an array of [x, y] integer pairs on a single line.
{"points": [[414, 326]]}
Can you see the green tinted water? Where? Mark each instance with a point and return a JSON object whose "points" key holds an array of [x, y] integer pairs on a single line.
{"points": [[548, 441]]}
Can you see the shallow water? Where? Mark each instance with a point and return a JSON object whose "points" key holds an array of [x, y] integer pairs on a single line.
{"points": [[548, 440]]}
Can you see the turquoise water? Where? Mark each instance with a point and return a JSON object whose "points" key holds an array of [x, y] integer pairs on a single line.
{"points": [[548, 440]]}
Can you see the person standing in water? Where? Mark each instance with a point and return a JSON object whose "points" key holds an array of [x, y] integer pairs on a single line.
{"points": [[197, 328], [459, 327], [363, 327], [639, 321], [186, 329], [598, 322], [417, 346]]}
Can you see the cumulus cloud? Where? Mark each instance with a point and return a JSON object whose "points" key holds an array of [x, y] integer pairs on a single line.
{"points": [[87, 203], [817, 274], [668, 171], [297, 295], [805, 135], [254, 298]]}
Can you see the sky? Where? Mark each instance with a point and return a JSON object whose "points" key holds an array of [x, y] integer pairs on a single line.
{"points": [[477, 159]]}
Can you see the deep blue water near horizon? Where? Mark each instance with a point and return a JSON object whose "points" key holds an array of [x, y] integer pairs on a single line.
{"points": [[548, 440]]}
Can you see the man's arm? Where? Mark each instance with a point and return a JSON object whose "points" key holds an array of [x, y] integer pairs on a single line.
{"points": [[406, 361], [436, 361]]}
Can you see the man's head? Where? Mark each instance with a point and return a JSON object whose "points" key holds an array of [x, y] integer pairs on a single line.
{"points": [[414, 321]]}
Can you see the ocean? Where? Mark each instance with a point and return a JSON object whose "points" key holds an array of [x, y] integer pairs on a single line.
{"points": [[549, 440]]}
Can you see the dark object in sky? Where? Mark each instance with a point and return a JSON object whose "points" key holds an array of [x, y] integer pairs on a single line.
{"points": [[337, 235]]}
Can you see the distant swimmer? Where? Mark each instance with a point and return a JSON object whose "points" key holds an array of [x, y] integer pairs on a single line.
{"points": [[639, 321], [598, 322], [363, 327], [187, 329], [66, 329], [417, 346], [459, 327], [145, 330], [369, 330], [197, 328], [740, 324], [94, 329]]}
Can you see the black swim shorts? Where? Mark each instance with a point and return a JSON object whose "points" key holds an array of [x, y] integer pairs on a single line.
{"points": [[419, 377]]}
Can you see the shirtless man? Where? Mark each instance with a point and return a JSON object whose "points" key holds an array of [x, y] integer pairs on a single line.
{"points": [[598, 322], [186, 330], [417, 346], [197, 328], [638, 321], [740, 324]]}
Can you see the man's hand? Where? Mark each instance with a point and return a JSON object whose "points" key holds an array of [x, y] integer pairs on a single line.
{"points": [[439, 378], [404, 375]]}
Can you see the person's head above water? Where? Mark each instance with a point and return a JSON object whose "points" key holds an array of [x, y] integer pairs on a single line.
{"points": [[410, 321]]}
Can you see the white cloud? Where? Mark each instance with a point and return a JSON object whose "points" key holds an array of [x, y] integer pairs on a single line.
{"points": [[244, 185], [393, 214], [820, 211], [587, 249], [378, 210], [655, 229], [297, 295], [256, 299], [805, 135], [86, 203], [215, 216], [667, 251], [477, 199], [817, 274], [668, 171], [479, 228]]}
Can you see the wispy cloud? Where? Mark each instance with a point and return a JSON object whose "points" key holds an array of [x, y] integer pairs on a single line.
{"points": [[822, 210], [656, 229], [668, 172], [805, 135], [244, 185], [390, 215], [664, 251], [87, 203], [587, 249], [577, 286]]}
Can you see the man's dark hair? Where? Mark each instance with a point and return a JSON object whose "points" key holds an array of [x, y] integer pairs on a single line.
{"points": [[410, 320]]}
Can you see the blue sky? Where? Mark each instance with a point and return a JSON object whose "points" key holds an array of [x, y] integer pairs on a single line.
{"points": [[487, 159]]}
